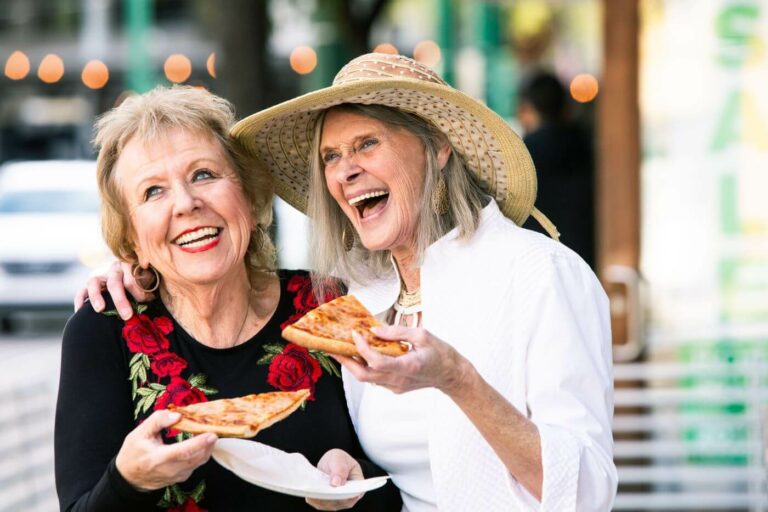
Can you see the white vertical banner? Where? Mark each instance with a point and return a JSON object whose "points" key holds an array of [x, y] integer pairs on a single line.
{"points": [[704, 107]]}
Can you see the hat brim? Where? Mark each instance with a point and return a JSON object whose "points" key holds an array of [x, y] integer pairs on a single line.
{"points": [[281, 137]]}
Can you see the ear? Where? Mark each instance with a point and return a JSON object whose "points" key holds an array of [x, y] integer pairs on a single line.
{"points": [[443, 154]]}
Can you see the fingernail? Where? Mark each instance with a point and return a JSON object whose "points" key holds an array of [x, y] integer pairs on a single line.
{"points": [[174, 416], [126, 313], [211, 438], [98, 306], [375, 330], [336, 480]]}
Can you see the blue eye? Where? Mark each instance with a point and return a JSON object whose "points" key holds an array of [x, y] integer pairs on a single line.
{"points": [[330, 156], [151, 191], [202, 174], [367, 143]]}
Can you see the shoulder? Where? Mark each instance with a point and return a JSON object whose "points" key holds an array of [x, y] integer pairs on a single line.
{"points": [[531, 259], [87, 322]]}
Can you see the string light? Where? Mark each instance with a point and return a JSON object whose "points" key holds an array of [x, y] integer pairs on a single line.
{"points": [[17, 66], [51, 69], [303, 60], [95, 74], [584, 88], [178, 68]]}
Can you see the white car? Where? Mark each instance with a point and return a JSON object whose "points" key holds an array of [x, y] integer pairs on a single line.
{"points": [[51, 243]]}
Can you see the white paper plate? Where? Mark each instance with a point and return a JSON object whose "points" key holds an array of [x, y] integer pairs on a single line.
{"points": [[287, 473]]}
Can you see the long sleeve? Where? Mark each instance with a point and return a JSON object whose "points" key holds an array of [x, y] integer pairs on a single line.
{"points": [[569, 384], [93, 416]]}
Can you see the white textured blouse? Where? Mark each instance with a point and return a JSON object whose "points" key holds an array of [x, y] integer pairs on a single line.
{"points": [[532, 318]]}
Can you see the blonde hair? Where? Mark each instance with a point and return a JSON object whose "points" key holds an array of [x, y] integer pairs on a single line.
{"points": [[155, 113], [465, 198]]}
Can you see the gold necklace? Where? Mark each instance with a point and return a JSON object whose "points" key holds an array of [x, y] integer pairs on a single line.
{"points": [[409, 299]]}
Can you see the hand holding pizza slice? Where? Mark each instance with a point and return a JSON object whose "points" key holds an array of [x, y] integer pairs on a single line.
{"points": [[329, 328]]}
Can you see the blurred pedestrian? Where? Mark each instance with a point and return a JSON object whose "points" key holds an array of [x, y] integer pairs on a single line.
{"points": [[562, 152]]}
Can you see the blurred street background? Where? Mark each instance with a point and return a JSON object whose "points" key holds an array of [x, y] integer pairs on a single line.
{"points": [[647, 121]]}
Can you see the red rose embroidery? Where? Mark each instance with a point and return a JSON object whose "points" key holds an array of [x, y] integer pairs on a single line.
{"points": [[167, 364], [188, 506], [179, 392], [294, 369], [145, 335], [304, 299]]}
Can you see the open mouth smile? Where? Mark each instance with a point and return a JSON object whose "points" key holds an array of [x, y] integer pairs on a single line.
{"points": [[370, 203], [198, 239]]}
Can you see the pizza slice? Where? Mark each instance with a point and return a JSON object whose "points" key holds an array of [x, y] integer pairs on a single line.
{"points": [[238, 417], [329, 328]]}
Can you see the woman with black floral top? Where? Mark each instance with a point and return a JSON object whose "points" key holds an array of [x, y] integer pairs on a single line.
{"points": [[178, 203]]}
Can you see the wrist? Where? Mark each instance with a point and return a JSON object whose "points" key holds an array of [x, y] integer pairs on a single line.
{"points": [[462, 381]]}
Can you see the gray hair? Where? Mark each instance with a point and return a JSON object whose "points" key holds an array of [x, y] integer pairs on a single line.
{"points": [[155, 113], [360, 265]]}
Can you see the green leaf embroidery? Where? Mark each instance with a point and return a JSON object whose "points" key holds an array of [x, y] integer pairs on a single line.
{"points": [[148, 401], [145, 358], [266, 359], [197, 492], [135, 358], [142, 374], [134, 388], [178, 495], [111, 312], [274, 348], [325, 362], [207, 390], [139, 405], [145, 392], [140, 308], [157, 387], [197, 380]]}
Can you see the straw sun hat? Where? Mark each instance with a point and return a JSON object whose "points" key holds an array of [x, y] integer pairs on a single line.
{"points": [[281, 136]]}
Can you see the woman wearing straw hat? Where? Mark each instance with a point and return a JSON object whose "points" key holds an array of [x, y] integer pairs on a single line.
{"points": [[416, 192]]}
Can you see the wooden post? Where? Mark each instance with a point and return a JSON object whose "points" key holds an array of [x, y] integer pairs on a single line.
{"points": [[618, 169]]}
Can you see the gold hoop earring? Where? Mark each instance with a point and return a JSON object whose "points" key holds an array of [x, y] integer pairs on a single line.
{"points": [[347, 237], [439, 197], [135, 270]]}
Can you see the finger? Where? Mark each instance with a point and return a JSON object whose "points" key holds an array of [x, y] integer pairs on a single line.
{"points": [[333, 504], [393, 332], [159, 420], [80, 296], [95, 286], [374, 359], [193, 451], [352, 365], [117, 291]]}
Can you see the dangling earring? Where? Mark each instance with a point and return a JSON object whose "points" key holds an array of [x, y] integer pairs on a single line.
{"points": [[347, 237], [440, 196], [134, 272]]}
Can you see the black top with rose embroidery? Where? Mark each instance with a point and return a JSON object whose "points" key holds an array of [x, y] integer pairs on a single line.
{"points": [[115, 373]]}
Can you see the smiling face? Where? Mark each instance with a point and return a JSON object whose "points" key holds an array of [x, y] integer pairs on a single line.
{"points": [[189, 217], [376, 174]]}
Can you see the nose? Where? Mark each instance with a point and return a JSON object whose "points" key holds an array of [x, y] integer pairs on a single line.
{"points": [[185, 201], [347, 169]]}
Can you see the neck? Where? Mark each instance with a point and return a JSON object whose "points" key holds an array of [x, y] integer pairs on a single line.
{"points": [[409, 270], [215, 314]]}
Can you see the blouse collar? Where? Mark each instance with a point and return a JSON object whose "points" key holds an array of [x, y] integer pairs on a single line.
{"points": [[378, 295]]}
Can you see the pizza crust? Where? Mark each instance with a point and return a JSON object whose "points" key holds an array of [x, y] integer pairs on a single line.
{"points": [[342, 348]]}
